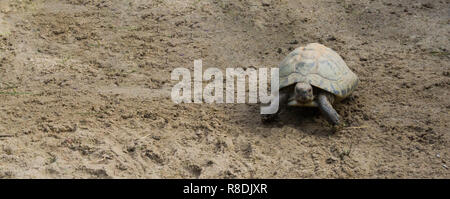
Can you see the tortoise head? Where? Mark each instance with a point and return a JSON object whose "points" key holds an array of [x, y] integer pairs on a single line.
{"points": [[303, 92]]}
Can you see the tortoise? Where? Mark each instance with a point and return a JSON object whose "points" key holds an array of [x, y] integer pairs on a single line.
{"points": [[314, 76]]}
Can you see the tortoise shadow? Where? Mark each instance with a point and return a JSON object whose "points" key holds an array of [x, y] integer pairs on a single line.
{"points": [[304, 119]]}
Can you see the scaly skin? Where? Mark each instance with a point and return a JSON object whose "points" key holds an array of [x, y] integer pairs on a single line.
{"points": [[303, 93], [324, 101]]}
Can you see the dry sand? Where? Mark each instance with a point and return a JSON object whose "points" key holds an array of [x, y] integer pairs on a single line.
{"points": [[84, 89]]}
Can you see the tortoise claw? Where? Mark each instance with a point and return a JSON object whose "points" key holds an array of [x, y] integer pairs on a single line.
{"points": [[337, 127]]}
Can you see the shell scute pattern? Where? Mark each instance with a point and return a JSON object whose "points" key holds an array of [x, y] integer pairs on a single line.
{"points": [[305, 67], [321, 67]]}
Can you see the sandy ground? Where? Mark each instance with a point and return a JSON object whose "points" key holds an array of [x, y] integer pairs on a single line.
{"points": [[85, 89]]}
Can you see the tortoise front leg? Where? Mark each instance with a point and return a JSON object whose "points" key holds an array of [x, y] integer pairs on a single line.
{"points": [[327, 109], [282, 100]]}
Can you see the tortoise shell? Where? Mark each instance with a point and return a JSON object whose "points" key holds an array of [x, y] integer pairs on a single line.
{"points": [[321, 67]]}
